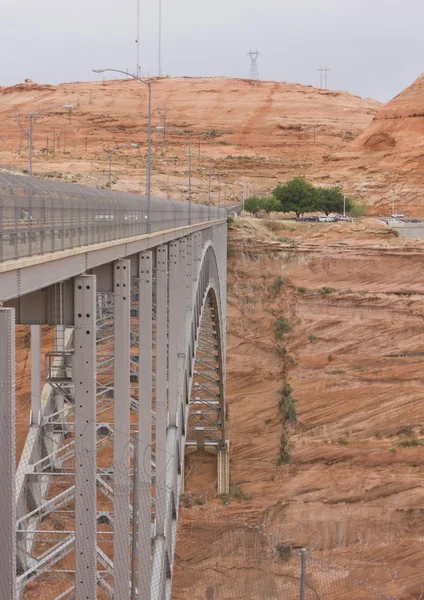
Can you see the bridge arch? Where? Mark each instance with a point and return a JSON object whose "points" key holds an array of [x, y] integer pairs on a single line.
{"points": [[72, 492]]}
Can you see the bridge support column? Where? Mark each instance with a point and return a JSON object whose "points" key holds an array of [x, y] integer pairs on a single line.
{"points": [[223, 456], [161, 383], [145, 425], [85, 438], [189, 301], [7, 455], [121, 436], [181, 295], [174, 303], [35, 374]]}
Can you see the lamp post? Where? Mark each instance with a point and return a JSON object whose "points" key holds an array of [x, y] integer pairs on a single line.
{"points": [[209, 196], [188, 134], [245, 188], [32, 120], [149, 135]]}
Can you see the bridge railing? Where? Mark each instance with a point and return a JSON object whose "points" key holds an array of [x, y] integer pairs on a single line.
{"points": [[39, 217]]}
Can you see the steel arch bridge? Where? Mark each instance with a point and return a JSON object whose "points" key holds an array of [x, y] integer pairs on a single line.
{"points": [[135, 379]]}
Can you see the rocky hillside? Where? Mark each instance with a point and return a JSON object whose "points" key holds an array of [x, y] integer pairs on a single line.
{"points": [[260, 132], [386, 160]]}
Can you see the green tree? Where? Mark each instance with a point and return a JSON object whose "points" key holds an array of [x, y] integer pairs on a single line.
{"points": [[253, 204], [298, 196], [271, 204], [330, 200]]}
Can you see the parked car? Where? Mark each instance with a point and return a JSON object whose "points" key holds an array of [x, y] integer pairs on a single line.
{"points": [[398, 216]]}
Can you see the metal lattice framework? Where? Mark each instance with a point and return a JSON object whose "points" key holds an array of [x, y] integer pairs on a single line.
{"points": [[138, 379]]}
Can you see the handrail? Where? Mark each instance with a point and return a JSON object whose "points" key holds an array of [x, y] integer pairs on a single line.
{"points": [[38, 216]]}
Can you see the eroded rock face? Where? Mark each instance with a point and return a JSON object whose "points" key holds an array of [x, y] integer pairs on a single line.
{"points": [[380, 141], [387, 158]]}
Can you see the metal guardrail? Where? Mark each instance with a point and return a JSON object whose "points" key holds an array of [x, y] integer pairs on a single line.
{"points": [[39, 217]]}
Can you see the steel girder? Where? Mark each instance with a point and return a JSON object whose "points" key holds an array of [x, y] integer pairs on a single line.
{"points": [[173, 375]]}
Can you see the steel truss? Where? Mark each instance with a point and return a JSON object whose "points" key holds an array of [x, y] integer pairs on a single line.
{"points": [[159, 340]]}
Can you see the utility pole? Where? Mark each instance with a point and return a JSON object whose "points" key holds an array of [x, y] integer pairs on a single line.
{"points": [[160, 41], [254, 71], [137, 41], [323, 77]]}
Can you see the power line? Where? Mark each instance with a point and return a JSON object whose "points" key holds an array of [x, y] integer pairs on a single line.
{"points": [[254, 72], [323, 77]]}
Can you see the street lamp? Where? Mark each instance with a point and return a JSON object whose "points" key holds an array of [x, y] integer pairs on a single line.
{"points": [[32, 120], [246, 187], [188, 134], [149, 136]]}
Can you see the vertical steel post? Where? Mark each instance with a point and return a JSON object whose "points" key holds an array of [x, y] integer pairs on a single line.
{"points": [[145, 424], [35, 374], [161, 383], [7, 455], [303, 553], [189, 179], [85, 438], [110, 170], [173, 331], [182, 294], [149, 158], [134, 518], [121, 446], [189, 298], [31, 124]]}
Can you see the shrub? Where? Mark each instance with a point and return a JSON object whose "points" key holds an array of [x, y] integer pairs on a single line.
{"points": [[268, 421], [326, 290], [312, 337], [301, 290], [336, 372], [407, 430], [282, 326], [284, 457], [284, 551], [287, 405], [343, 441], [330, 358], [276, 286], [410, 443], [357, 210]]}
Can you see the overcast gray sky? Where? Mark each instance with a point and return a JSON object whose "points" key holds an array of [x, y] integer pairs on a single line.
{"points": [[373, 47]]}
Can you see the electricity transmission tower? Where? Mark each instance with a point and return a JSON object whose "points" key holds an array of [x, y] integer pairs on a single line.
{"points": [[323, 78], [254, 72]]}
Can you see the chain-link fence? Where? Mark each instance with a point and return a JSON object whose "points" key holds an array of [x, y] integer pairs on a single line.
{"points": [[38, 217], [241, 557]]}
